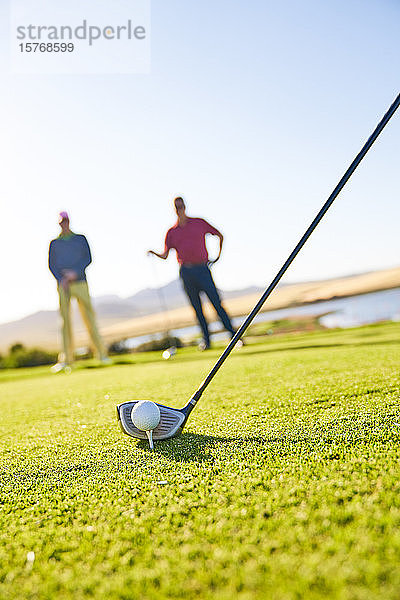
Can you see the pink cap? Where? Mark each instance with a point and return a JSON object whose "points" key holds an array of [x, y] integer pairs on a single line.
{"points": [[63, 215]]}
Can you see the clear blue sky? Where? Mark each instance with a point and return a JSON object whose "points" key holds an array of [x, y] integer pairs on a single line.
{"points": [[252, 111]]}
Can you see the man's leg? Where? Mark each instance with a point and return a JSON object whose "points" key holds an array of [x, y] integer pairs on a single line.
{"points": [[194, 297], [65, 312], [210, 289], [80, 290]]}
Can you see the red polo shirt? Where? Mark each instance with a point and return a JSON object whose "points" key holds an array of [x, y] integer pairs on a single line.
{"points": [[190, 241]]}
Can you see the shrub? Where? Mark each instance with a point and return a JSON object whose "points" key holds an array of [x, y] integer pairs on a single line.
{"points": [[118, 348], [16, 348], [28, 357], [160, 344]]}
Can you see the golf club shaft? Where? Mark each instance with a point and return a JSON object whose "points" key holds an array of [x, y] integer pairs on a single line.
{"points": [[196, 396], [161, 299]]}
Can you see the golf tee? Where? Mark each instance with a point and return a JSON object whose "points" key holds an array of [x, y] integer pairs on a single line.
{"points": [[150, 438]]}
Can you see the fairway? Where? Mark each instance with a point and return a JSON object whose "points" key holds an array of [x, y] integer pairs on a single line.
{"points": [[285, 483]]}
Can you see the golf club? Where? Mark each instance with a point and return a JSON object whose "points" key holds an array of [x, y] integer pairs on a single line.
{"points": [[173, 420], [171, 351]]}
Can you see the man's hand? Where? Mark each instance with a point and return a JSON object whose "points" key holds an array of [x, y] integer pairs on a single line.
{"points": [[68, 277], [210, 263], [164, 255]]}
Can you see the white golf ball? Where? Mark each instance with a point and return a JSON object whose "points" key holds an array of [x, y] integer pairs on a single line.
{"points": [[166, 355], [145, 415]]}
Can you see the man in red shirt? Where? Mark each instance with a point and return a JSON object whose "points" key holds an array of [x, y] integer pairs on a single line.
{"points": [[187, 238]]}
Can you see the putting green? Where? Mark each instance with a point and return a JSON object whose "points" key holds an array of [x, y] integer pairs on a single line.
{"points": [[284, 485]]}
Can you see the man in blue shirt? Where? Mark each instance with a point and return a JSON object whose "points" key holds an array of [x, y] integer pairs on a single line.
{"points": [[69, 255]]}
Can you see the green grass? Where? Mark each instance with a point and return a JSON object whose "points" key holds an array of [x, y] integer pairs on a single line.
{"points": [[290, 325], [285, 484]]}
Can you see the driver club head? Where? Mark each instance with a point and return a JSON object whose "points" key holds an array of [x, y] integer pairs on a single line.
{"points": [[171, 422]]}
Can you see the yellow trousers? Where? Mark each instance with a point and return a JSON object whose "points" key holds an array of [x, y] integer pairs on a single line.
{"points": [[79, 290]]}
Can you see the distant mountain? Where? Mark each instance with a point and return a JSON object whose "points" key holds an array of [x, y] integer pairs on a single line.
{"points": [[153, 300], [37, 328], [125, 317]]}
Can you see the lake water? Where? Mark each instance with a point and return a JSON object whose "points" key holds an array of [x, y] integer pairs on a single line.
{"points": [[343, 312]]}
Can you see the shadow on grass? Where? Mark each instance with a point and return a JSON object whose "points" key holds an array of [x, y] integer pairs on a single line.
{"points": [[118, 362], [365, 433], [190, 447], [343, 432]]}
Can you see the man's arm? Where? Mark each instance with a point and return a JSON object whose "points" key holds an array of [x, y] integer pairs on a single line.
{"points": [[84, 260], [214, 231], [164, 255], [167, 248], [221, 241], [53, 262]]}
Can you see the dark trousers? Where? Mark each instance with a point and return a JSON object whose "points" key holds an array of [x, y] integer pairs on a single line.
{"points": [[196, 279]]}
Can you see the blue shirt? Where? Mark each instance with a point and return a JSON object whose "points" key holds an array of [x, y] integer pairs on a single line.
{"points": [[69, 252]]}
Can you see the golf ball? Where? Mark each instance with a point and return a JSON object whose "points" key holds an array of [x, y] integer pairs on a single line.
{"points": [[145, 415], [169, 353]]}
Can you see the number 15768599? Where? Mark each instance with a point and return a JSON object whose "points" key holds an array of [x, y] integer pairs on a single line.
{"points": [[47, 47]]}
